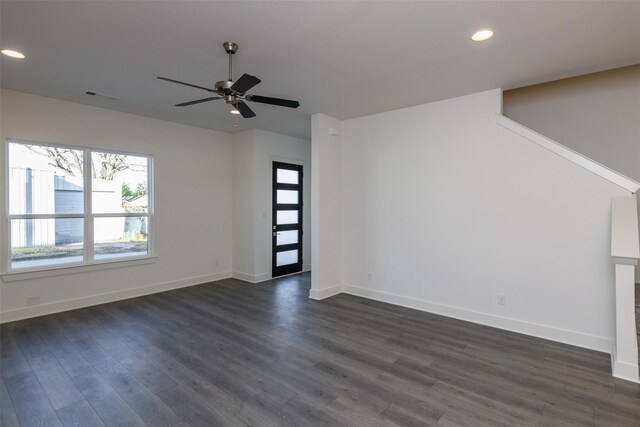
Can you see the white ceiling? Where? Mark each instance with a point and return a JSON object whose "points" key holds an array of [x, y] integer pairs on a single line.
{"points": [[345, 59]]}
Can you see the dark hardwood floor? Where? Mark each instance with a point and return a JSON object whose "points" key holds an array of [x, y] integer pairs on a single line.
{"points": [[232, 353]]}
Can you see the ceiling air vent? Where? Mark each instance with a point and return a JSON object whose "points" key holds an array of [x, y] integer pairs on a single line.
{"points": [[102, 95]]}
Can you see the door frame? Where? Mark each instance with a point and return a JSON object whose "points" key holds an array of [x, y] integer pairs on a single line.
{"points": [[298, 266]]}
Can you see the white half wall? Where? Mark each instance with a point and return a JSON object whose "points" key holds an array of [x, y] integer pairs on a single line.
{"points": [[444, 210], [254, 152], [193, 200]]}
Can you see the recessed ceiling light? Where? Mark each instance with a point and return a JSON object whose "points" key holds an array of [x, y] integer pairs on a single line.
{"points": [[235, 111], [482, 35], [12, 53]]}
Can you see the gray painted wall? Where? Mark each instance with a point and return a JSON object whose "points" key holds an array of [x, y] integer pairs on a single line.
{"points": [[597, 115]]}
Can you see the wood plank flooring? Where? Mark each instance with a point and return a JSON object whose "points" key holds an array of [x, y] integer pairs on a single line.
{"points": [[232, 353]]}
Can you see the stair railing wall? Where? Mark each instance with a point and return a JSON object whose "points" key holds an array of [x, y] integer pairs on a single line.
{"points": [[625, 253]]}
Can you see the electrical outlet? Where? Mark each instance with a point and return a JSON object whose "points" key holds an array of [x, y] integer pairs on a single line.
{"points": [[369, 277], [502, 300], [31, 301], [217, 263]]}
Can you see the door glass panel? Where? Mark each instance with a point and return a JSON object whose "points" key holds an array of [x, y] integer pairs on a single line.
{"points": [[287, 237], [287, 197], [287, 217], [287, 257], [287, 176]]}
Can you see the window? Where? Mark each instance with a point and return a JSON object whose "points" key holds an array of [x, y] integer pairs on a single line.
{"points": [[74, 205]]}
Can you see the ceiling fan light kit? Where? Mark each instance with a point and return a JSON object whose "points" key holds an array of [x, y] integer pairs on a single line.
{"points": [[235, 93]]}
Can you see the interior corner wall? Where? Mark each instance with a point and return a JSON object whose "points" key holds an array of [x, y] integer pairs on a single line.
{"points": [[326, 212], [254, 154], [193, 201], [597, 115], [444, 210]]}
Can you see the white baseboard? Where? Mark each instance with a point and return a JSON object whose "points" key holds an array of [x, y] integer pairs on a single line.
{"points": [[258, 278], [319, 294], [72, 304], [245, 277], [251, 278], [541, 331], [262, 277], [624, 370]]}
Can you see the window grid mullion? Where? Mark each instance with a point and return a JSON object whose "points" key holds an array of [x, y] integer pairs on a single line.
{"points": [[43, 216], [5, 263], [88, 216], [150, 207]]}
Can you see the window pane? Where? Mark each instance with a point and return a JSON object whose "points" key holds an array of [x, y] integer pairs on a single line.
{"points": [[45, 180], [287, 217], [287, 257], [287, 196], [120, 237], [119, 183], [287, 176], [45, 242], [287, 237]]}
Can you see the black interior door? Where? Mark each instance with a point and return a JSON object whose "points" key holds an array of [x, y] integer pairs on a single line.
{"points": [[287, 219]]}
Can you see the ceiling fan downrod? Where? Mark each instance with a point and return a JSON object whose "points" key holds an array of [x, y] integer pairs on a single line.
{"points": [[230, 48]]}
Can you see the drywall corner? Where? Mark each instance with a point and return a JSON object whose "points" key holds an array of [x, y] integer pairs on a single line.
{"points": [[325, 204]]}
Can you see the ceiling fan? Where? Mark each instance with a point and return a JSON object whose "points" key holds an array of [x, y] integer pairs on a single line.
{"points": [[235, 93]]}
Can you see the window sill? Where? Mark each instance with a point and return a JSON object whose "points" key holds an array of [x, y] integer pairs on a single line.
{"points": [[78, 268]]}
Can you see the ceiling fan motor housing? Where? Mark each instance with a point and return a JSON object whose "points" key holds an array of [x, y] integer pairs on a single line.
{"points": [[224, 87]]}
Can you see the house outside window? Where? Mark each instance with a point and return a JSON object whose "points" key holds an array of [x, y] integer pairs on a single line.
{"points": [[75, 205]]}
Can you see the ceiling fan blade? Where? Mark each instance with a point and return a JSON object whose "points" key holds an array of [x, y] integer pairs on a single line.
{"points": [[245, 110], [186, 84], [198, 101], [273, 101], [245, 83]]}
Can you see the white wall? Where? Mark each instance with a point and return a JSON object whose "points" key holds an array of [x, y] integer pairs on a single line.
{"points": [[597, 115], [193, 199], [444, 209], [244, 205], [254, 152], [326, 252]]}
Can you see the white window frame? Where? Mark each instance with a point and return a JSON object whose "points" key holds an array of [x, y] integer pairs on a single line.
{"points": [[89, 262]]}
